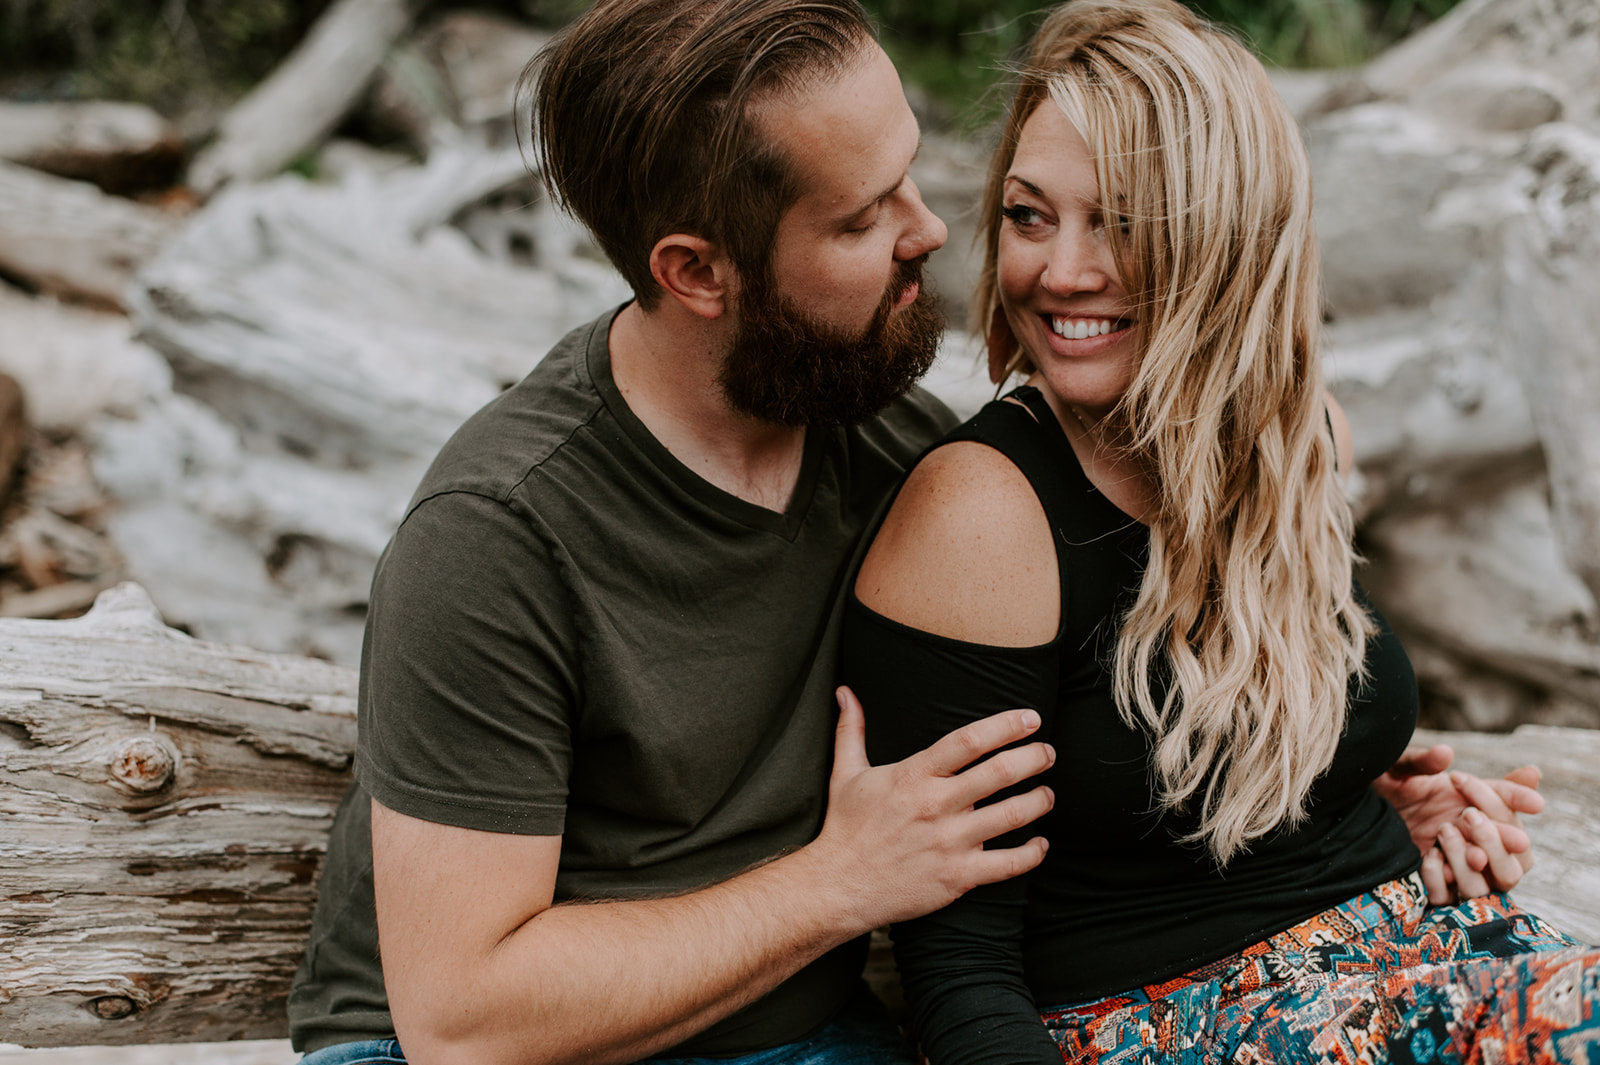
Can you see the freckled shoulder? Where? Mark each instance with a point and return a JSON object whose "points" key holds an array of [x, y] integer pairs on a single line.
{"points": [[966, 552]]}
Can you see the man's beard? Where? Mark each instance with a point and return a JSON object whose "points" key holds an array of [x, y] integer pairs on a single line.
{"points": [[785, 366]]}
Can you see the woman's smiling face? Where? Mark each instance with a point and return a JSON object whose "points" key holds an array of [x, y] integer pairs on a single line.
{"points": [[1058, 278]]}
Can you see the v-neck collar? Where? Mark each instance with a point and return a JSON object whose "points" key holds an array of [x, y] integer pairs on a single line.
{"points": [[786, 524]]}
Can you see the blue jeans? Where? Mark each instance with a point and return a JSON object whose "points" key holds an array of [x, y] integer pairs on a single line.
{"points": [[366, 1052], [856, 1037]]}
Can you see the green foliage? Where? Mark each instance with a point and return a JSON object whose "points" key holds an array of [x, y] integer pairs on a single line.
{"points": [[552, 14], [168, 53], [174, 54], [955, 49]]}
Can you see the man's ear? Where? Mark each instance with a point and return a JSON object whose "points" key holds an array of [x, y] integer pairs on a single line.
{"points": [[693, 271]]}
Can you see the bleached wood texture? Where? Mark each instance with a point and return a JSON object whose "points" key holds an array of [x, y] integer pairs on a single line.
{"points": [[1551, 275], [73, 363], [121, 147], [294, 109], [68, 238], [165, 804], [1457, 207]]}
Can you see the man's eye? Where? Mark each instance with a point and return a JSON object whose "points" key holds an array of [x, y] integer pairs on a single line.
{"points": [[864, 221]]}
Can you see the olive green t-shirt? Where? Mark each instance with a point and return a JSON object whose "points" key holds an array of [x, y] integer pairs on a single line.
{"points": [[572, 633]]}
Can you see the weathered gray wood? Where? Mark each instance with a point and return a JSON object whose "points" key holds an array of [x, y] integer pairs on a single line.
{"points": [[456, 77], [166, 804], [295, 108], [1501, 65], [74, 363], [121, 147], [1564, 884], [1458, 188], [1551, 273], [69, 238]]}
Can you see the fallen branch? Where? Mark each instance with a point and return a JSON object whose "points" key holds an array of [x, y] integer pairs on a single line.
{"points": [[304, 99], [68, 238], [120, 147]]}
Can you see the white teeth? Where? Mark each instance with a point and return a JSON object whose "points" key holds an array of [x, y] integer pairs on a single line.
{"points": [[1080, 328]]}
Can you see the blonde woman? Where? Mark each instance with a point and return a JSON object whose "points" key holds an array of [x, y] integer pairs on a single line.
{"points": [[1149, 543]]}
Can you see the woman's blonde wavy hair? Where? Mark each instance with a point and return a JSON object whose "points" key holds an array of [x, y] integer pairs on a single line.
{"points": [[1246, 609]]}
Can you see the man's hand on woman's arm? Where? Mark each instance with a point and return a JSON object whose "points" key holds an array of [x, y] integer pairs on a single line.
{"points": [[482, 969], [1468, 829]]}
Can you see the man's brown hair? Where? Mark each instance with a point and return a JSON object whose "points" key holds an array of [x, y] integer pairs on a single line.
{"points": [[644, 119]]}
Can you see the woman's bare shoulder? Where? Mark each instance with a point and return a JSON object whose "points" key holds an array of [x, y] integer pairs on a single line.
{"points": [[966, 552]]}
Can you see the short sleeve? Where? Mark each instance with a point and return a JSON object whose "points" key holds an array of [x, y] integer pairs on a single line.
{"points": [[469, 680]]}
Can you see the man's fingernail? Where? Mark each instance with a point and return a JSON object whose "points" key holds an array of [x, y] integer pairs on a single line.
{"points": [[1473, 816], [1030, 719]]}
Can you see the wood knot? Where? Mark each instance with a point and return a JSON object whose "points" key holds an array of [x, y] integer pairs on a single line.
{"points": [[113, 1007], [144, 763]]}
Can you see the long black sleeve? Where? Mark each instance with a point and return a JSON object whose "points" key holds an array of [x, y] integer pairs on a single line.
{"points": [[961, 967]]}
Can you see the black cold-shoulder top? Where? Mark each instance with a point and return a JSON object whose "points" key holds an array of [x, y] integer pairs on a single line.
{"points": [[1119, 903]]}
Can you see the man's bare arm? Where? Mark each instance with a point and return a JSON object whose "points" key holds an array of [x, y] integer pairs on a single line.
{"points": [[482, 969]]}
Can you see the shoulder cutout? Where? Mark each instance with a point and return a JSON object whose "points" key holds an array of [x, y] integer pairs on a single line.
{"points": [[966, 552]]}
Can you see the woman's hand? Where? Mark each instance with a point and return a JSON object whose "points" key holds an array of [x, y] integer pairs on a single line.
{"points": [[1468, 829]]}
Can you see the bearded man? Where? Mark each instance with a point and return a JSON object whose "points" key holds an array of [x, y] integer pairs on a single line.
{"points": [[594, 818]]}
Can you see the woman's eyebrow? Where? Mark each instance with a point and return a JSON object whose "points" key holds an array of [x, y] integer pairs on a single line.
{"points": [[1025, 183]]}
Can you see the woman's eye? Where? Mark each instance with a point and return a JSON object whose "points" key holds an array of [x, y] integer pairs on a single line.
{"points": [[1020, 215], [1121, 221]]}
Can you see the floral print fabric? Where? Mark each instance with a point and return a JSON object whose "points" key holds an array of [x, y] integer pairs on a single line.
{"points": [[1381, 978]]}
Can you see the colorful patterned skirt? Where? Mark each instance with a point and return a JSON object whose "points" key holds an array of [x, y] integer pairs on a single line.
{"points": [[1381, 978]]}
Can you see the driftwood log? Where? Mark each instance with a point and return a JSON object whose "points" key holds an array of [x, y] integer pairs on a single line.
{"points": [[1458, 207], [166, 804], [74, 363], [68, 238], [1551, 274], [299, 105], [120, 147]]}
